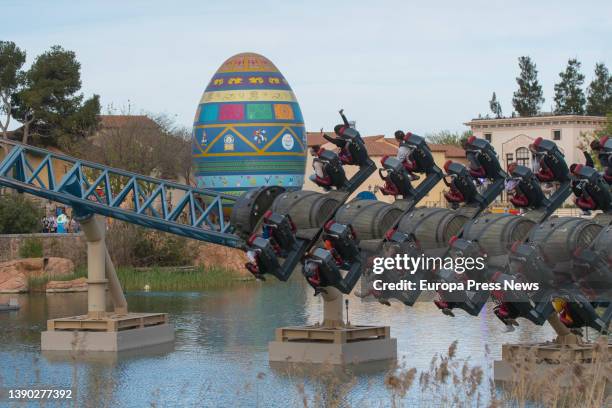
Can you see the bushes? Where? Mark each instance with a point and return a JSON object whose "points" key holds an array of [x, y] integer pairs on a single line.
{"points": [[31, 248], [130, 245], [19, 215], [154, 248]]}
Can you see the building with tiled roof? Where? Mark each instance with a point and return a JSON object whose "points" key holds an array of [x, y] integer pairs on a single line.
{"points": [[121, 121], [379, 146], [450, 151], [510, 137]]}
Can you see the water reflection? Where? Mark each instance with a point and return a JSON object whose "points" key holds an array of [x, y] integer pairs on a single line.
{"points": [[220, 353], [108, 359]]}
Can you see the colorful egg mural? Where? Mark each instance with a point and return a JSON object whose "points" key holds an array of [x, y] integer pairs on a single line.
{"points": [[248, 129]]}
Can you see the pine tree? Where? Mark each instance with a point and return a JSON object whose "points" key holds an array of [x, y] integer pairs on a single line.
{"points": [[12, 59], [528, 98], [49, 104], [495, 106], [599, 93], [569, 96]]}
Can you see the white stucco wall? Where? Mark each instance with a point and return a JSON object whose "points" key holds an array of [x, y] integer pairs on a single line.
{"points": [[509, 134]]}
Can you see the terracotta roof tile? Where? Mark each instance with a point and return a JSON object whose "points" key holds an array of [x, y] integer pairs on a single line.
{"points": [[451, 151], [316, 138], [379, 145], [117, 121]]}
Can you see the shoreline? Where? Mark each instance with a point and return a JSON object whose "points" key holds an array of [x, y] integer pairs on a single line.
{"points": [[158, 279]]}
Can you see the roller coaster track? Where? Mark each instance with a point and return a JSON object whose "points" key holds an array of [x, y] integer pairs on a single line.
{"points": [[91, 188], [94, 188]]}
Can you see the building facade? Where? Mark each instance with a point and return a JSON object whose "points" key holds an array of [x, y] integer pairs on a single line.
{"points": [[511, 137]]}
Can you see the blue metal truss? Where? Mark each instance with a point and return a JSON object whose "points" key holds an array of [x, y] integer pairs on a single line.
{"points": [[94, 188]]}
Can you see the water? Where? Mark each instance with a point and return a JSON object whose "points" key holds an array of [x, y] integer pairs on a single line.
{"points": [[220, 354]]}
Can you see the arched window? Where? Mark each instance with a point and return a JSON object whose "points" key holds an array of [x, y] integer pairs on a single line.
{"points": [[522, 156]]}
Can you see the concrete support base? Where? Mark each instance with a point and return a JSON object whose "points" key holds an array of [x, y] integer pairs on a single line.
{"points": [[100, 330], [111, 333], [106, 357], [335, 346], [86, 341], [332, 342]]}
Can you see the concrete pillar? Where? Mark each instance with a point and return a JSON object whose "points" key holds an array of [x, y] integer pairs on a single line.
{"points": [[96, 267], [332, 308], [564, 335], [114, 286], [559, 327]]}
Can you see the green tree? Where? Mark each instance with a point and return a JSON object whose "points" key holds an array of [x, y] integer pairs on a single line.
{"points": [[607, 129], [19, 215], [569, 96], [528, 98], [599, 93], [495, 106], [49, 105], [586, 138], [12, 59], [448, 137]]}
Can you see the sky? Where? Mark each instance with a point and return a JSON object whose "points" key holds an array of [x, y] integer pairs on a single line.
{"points": [[420, 66]]}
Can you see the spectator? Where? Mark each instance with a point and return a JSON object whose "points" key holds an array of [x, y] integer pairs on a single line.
{"points": [[73, 226], [52, 224], [46, 224], [62, 223]]}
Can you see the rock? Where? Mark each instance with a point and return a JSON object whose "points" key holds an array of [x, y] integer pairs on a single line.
{"points": [[59, 267], [75, 285], [14, 275], [31, 264], [13, 281]]}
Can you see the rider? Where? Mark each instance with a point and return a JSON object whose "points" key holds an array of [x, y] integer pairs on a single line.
{"points": [[342, 144], [316, 164], [597, 146], [404, 153], [321, 174], [476, 170], [512, 188]]}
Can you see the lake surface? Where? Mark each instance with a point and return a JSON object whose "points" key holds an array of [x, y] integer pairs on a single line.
{"points": [[220, 354]]}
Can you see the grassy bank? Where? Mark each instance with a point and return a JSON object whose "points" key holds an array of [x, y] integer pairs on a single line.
{"points": [[157, 279], [38, 283], [167, 279]]}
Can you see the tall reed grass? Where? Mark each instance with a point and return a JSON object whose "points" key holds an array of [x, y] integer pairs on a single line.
{"points": [[450, 382], [38, 283], [155, 279]]}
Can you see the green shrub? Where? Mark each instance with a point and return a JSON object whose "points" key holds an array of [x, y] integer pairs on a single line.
{"points": [[31, 248], [153, 248], [19, 215], [131, 245]]}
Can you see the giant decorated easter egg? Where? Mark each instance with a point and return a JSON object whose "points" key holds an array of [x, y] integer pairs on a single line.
{"points": [[248, 129]]}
